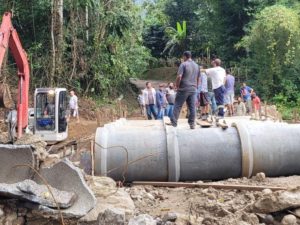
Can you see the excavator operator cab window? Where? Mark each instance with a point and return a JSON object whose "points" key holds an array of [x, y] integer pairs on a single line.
{"points": [[45, 111]]}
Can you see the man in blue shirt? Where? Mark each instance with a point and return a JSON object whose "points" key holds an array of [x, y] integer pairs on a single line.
{"points": [[161, 101], [246, 95]]}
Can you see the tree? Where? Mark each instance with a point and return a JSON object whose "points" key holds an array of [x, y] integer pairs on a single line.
{"points": [[273, 46], [177, 39]]}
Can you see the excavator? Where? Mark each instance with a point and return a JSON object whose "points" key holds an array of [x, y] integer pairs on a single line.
{"points": [[48, 117]]}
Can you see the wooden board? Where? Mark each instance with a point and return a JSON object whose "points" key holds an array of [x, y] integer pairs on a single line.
{"points": [[222, 124], [207, 185], [204, 123]]}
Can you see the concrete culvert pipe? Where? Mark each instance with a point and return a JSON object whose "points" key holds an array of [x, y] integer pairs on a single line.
{"points": [[152, 151]]}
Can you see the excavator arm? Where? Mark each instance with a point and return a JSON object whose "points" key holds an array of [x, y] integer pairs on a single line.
{"points": [[9, 39]]}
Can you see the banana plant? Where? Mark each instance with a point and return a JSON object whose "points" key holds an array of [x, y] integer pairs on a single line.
{"points": [[176, 37]]}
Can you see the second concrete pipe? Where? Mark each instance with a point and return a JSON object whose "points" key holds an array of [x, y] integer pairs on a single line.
{"points": [[152, 151]]}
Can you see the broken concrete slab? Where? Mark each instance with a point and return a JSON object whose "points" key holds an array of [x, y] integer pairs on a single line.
{"points": [[28, 190], [65, 176], [11, 157], [278, 201], [64, 199]]}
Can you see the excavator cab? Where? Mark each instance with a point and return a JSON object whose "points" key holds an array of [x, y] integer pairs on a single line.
{"points": [[50, 114]]}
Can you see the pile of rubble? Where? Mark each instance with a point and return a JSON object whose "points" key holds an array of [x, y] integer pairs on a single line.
{"points": [[28, 197]]}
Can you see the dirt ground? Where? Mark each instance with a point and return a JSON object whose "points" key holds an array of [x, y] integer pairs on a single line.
{"points": [[208, 206]]}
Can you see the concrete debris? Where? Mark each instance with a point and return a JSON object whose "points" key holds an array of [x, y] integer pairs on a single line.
{"points": [[11, 159], [62, 198], [65, 176], [31, 191], [112, 216], [143, 219], [38, 144], [289, 220], [109, 196], [278, 201]]}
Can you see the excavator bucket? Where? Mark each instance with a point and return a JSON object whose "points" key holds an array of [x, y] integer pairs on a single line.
{"points": [[5, 97]]}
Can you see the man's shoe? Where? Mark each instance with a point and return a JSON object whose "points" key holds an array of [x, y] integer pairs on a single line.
{"points": [[192, 127], [171, 124]]}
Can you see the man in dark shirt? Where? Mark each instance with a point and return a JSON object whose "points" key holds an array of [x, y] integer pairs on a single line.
{"points": [[186, 83]]}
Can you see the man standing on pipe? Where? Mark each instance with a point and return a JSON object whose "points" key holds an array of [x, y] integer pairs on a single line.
{"points": [[218, 77], [186, 83]]}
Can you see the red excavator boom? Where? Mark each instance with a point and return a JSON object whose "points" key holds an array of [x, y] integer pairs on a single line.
{"points": [[9, 38]]}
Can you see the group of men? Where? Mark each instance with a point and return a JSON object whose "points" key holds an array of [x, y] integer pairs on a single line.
{"points": [[211, 89]]}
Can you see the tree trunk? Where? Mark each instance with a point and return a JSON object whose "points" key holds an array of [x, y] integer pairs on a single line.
{"points": [[87, 23], [60, 37], [74, 41], [53, 67]]}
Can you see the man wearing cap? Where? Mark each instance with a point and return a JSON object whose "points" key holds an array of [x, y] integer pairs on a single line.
{"points": [[186, 83]]}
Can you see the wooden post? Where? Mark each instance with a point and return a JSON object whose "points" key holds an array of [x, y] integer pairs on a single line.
{"points": [[93, 158]]}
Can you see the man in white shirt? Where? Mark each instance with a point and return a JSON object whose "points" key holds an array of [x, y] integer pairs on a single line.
{"points": [[73, 105], [150, 101], [218, 77]]}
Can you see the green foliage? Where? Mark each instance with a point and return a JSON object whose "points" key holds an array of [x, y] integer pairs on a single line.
{"points": [[96, 63], [177, 39], [273, 46]]}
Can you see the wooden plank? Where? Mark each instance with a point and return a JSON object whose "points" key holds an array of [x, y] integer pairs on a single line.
{"points": [[207, 185], [204, 123], [222, 124]]}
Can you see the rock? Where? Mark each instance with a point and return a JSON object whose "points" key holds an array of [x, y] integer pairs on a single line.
{"points": [[289, 220], [171, 216], [183, 219], [260, 177], [278, 201], [242, 223], [33, 192], [143, 219], [269, 219], [297, 212], [108, 197], [112, 216], [267, 192], [149, 196]]}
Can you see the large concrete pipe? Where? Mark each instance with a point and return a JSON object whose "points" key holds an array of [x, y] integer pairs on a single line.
{"points": [[152, 151]]}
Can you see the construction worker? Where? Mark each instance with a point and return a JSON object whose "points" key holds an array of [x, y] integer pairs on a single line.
{"points": [[186, 84], [218, 75]]}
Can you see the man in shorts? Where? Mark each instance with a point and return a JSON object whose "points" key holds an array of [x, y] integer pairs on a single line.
{"points": [[204, 100], [73, 105], [229, 92]]}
